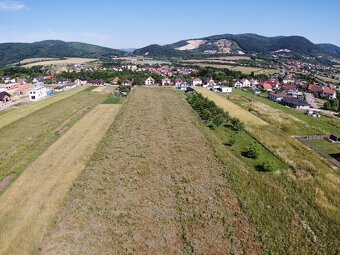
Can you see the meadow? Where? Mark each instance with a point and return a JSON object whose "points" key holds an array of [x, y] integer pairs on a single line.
{"points": [[30, 203], [37, 126]]}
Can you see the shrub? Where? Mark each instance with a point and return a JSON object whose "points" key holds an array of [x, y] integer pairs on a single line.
{"points": [[253, 151], [237, 124], [267, 166]]}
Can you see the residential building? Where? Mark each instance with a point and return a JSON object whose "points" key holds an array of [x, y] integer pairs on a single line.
{"points": [[5, 97], [37, 92], [150, 81], [197, 82], [166, 82], [295, 103]]}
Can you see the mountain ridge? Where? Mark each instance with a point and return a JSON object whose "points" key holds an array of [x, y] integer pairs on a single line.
{"points": [[14, 52]]}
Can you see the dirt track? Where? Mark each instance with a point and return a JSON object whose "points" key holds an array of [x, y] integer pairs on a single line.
{"points": [[29, 204], [153, 186]]}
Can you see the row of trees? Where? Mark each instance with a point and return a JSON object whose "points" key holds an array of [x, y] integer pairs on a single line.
{"points": [[212, 115]]}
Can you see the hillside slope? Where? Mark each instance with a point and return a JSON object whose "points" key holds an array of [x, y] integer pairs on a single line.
{"points": [[331, 48], [229, 43], [15, 52]]}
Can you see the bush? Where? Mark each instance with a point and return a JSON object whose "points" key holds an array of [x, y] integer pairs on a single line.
{"points": [[237, 124], [266, 166], [252, 152]]}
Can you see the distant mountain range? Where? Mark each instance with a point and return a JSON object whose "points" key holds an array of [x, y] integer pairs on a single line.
{"points": [[238, 44], [218, 44], [14, 52]]}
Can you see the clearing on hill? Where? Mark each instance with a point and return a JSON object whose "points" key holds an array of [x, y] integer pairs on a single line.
{"points": [[30, 203], [153, 186]]}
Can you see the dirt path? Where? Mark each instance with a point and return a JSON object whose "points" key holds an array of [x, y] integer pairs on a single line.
{"points": [[153, 186], [233, 109], [11, 116], [27, 206]]}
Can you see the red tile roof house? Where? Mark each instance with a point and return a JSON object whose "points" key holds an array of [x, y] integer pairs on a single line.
{"points": [[178, 82], [270, 85], [328, 93], [314, 88], [289, 88], [166, 82]]}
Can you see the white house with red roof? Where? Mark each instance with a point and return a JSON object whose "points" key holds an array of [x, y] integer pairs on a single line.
{"points": [[328, 93], [166, 82]]}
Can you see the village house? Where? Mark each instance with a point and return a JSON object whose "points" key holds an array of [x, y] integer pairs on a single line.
{"points": [[294, 103], [127, 83], [150, 81], [178, 82], [65, 87], [59, 80], [197, 82], [210, 82], [115, 81], [270, 85], [166, 82], [81, 81], [225, 89], [254, 83], [245, 83], [328, 93], [37, 92], [96, 82], [277, 97], [5, 97]]}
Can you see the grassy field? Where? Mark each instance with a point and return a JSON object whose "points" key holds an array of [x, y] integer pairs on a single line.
{"points": [[68, 61], [327, 79], [22, 141], [15, 113], [153, 186], [233, 109], [27, 206], [325, 148], [294, 212], [243, 69], [292, 121]]}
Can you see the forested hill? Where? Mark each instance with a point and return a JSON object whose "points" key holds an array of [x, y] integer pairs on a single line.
{"points": [[14, 52]]}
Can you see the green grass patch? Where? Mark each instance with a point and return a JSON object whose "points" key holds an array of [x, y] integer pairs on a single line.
{"points": [[113, 99], [325, 148], [90, 88]]}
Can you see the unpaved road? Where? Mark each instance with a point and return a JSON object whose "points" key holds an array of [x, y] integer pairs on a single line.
{"points": [[153, 186], [29, 204]]}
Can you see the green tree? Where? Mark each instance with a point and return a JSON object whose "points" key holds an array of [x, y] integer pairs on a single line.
{"points": [[253, 151]]}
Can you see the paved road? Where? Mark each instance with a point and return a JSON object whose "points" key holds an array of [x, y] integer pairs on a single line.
{"points": [[311, 100]]}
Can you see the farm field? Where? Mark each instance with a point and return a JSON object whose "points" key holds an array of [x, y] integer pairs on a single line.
{"points": [[153, 186], [233, 109], [28, 205], [67, 61], [243, 69], [298, 122], [327, 79], [15, 113], [22, 141]]}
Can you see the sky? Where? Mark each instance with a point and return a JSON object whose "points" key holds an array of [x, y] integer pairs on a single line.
{"points": [[138, 23]]}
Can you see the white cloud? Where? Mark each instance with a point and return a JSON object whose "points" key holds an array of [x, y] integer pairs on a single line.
{"points": [[11, 6]]}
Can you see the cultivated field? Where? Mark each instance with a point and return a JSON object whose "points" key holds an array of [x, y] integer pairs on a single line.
{"points": [[28, 205], [233, 109], [243, 69], [17, 112], [153, 186], [58, 62], [22, 141]]}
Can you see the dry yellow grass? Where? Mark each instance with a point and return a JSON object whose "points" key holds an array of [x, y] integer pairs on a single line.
{"points": [[243, 69], [233, 109], [68, 61], [13, 115], [27, 207]]}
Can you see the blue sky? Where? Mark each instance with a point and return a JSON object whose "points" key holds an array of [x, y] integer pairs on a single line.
{"points": [[137, 23]]}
